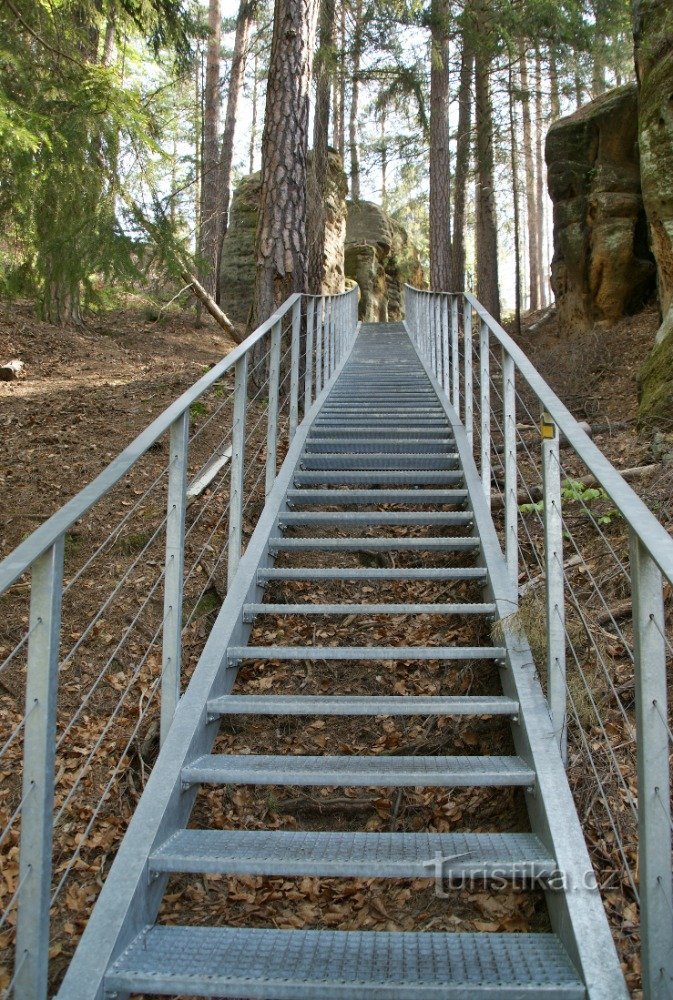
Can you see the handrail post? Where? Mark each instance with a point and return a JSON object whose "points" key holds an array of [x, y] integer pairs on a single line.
{"points": [[171, 655], [511, 484], [439, 347], [445, 346], [319, 335], [485, 403], [468, 389], [554, 582], [237, 467], [455, 363], [35, 861], [654, 806], [294, 369], [308, 367], [272, 416]]}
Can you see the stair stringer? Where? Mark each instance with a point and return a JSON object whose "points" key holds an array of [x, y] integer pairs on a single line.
{"points": [[577, 914], [131, 897]]}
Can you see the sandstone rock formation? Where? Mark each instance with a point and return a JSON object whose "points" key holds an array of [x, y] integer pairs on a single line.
{"points": [[237, 272], [380, 259], [653, 32], [602, 267]]}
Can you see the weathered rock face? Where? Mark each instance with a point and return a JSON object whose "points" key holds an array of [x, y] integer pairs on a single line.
{"points": [[237, 272], [602, 267], [653, 31], [380, 259]]}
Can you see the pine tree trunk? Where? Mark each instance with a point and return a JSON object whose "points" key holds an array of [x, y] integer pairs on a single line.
{"points": [[246, 13], [316, 222], [340, 104], [463, 146], [540, 179], [488, 291], [211, 116], [281, 251], [514, 165], [531, 209], [598, 84], [253, 117], [554, 94], [383, 146], [440, 167], [355, 100]]}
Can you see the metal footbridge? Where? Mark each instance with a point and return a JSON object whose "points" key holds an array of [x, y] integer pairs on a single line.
{"points": [[378, 489]]}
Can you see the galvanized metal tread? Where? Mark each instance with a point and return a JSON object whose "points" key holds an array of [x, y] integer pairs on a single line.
{"points": [[419, 477], [378, 446], [337, 498], [237, 653], [354, 855], [400, 462], [356, 771], [262, 963], [277, 543], [333, 573], [251, 610], [404, 518], [269, 704]]}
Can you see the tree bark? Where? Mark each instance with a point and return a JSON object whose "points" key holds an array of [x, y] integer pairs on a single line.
{"points": [[539, 182], [488, 291], [514, 164], [253, 121], [321, 116], [463, 146], [211, 116], [355, 100], [281, 252], [531, 209], [246, 13], [554, 93], [440, 167]]}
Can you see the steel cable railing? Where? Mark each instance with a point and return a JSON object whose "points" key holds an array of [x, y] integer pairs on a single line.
{"points": [[593, 571], [105, 612]]}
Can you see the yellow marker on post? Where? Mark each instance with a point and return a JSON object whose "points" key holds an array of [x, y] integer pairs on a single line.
{"points": [[547, 426]]}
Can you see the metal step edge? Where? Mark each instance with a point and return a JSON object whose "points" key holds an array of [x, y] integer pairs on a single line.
{"points": [[354, 855], [277, 543], [331, 573], [360, 771], [336, 497], [250, 611], [352, 705], [345, 478], [236, 654], [259, 963], [378, 518]]}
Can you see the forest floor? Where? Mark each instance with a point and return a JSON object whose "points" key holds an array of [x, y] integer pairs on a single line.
{"points": [[85, 395]]}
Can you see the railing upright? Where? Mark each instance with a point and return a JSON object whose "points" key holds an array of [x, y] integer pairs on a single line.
{"points": [[272, 418], [35, 861], [455, 362], [237, 467], [308, 372], [468, 386], [294, 369], [485, 408], [173, 580], [510, 463], [654, 805], [554, 583]]}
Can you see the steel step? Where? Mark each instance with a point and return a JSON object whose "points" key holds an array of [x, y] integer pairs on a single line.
{"points": [[334, 498], [236, 654], [382, 476], [250, 611], [331, 573], [260, 963], [354, 855], [360, 772], [344, 519], [359, 461], [356, 544], [380, 446], [352, 705]]}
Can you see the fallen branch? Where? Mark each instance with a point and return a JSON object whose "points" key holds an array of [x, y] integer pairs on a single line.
{"points": [[207, 474], [621, 610], [13, 369], [535, 494], [212, 306]]}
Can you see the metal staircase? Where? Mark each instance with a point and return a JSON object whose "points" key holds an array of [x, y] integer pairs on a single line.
{"points": [[384, 437]]}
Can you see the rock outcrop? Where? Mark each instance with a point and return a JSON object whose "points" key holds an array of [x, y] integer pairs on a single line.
{"points": [[237, 273], [380, 258], [653, 31], [602, 266]]}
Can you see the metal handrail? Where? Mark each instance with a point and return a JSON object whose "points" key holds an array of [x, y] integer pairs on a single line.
{"points": [[434, 321], [319, 337]]}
